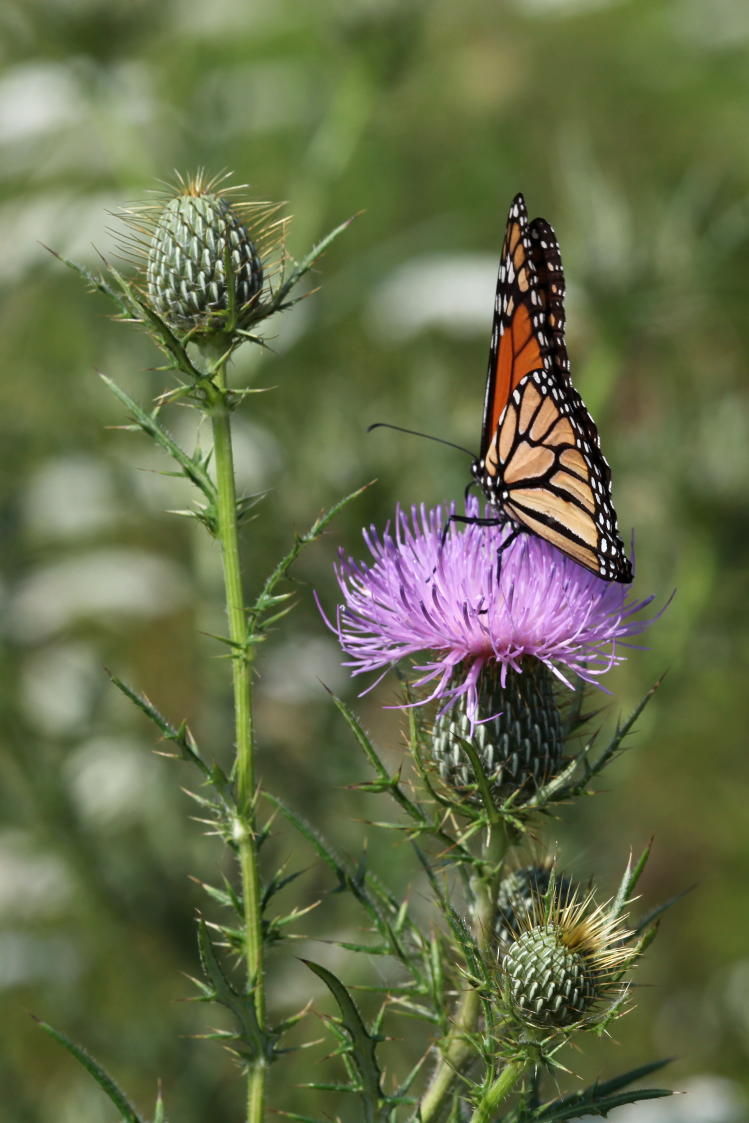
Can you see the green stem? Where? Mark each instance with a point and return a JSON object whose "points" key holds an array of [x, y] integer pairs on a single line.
{"points": [[502, 1086], [244, 769], [457, 1049]]}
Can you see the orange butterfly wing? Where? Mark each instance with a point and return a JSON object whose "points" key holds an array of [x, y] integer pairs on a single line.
{"points": [[519, 344], [540, 460]]}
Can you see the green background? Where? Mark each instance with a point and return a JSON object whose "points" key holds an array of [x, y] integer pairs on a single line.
{"points": [[625, 123]]}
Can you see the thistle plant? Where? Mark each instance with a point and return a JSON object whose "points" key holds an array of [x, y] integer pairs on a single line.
{"points": [[492, 661]]}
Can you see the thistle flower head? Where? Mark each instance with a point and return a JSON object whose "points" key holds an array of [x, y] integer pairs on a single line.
{"points": [[567, 959], [459, 610], [203, 252]]}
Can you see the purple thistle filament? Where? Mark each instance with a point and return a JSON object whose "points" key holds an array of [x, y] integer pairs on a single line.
{"points": [[462, 612]]}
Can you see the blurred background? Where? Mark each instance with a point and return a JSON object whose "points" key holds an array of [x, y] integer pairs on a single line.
{"points": [[625, 124]]}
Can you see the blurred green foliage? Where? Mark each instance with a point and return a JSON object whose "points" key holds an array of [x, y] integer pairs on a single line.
{"points": [[625, 124]]}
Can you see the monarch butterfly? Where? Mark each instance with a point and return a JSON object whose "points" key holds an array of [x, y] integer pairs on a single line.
{"points": [[540, 461]]}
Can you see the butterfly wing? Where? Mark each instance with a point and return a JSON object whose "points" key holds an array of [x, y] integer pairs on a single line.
{"points": [[519, 343], [546, 475], [547, 261], [541, 461]]}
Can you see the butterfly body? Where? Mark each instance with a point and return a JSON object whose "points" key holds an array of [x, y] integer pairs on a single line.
{"points": [[541, 463]]}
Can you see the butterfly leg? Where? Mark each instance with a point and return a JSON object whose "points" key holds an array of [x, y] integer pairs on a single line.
{"points": [[469, 520], [469, 485], [514, 533]]}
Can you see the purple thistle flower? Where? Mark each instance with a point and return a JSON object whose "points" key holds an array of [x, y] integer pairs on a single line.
{"points": [[455, 604]]}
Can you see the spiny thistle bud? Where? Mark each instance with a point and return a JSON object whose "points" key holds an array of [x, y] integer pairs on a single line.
{"points": [[568, 959], [202, 253], [520, 745], [520, 893]]}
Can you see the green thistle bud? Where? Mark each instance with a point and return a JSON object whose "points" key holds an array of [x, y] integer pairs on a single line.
{"points": [[204, 258], [520, 893], [519, 749], [196, 239], [568, 959]]}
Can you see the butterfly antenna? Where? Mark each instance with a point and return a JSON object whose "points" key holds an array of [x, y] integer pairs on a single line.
{"points": [[416, 433]]}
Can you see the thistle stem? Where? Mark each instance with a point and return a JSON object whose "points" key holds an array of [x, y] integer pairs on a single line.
{"points": [[457, 1048], [502, 1086], [244, 767]]}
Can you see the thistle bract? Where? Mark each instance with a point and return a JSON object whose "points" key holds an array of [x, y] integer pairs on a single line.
{"points": [[203, 268], [520, 740]]}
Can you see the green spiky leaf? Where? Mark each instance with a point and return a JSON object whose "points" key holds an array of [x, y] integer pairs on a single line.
{"points": [[600, 1098], [241, 1005], [362, 1044], [115, 1094], [192, 467]]}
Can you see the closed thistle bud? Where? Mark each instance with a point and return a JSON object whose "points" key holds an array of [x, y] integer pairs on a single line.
{"points": [[202, 252], [196, 239], [520, 893], [567, 959], [521, 745]]}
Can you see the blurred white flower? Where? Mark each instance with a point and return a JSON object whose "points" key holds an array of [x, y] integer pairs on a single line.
{"points": [[47, 504], [294, 670], [58, 684], [27, 958], [38, 97], [110, 779], [71, 225], [33, 883], [448, 291], [100, 583], [563, 7]]}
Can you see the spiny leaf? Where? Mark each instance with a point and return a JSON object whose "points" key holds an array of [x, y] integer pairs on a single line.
{"points": [[658, 911], [242, 1006], [159, 1115], [629, 881], [622, 729], [192, 466], [601, 1105], [280, 300], [159, 331], [481, 779], [363, 1045], [265, 598], [302, 1118], [387, 781], [95, 281], [367, 889], [392, 785], [102, 1078], [457, 926], [277, 883], [182, 738]]}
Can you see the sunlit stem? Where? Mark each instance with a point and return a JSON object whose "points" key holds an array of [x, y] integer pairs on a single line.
{"points": [[457, 1050], [244, 767]]}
